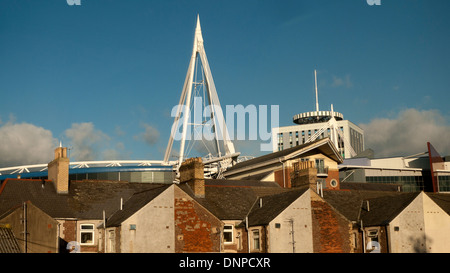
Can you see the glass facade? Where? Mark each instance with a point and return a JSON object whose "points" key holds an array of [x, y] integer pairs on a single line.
{"points": [[444, 183], [137, 176], [409, 183]]}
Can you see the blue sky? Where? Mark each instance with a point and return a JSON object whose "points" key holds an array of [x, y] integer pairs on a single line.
{"points": [[103, 76]]}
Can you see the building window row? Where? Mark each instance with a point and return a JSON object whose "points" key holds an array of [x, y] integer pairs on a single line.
{"points": [[409, 183]]}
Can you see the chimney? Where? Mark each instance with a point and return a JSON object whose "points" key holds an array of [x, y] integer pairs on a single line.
{"points": [[192, 172], [304, 174], [58, 170]]}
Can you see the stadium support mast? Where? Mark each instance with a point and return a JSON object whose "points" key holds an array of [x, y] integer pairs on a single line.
{"points": [[217, 118]]}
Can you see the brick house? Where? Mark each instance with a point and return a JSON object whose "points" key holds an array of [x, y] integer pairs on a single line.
{"points": [[163, 220], [395, 222], [314, 163], [222, 215]]}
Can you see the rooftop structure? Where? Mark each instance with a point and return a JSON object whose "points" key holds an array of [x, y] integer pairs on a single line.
{"points": [[346, 136], [425, 171]]}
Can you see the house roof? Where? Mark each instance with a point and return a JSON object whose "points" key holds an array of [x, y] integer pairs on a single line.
{"points": [[442, 200], [381, 208], [324, 146], [232, 199], [272, 206], [135, 203], [8, 242], [85, 200]]}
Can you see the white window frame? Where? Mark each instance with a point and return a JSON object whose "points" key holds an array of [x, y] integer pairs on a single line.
{"points": [[254, 238], [92, 231], [228, 231]]}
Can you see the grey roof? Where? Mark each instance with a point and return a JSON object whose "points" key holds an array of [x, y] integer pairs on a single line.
{"points": [[442, 200], [135, 203], [382, 207], [323, 145], [272, 206], [85, 200], [8, 242], [232, 199]]}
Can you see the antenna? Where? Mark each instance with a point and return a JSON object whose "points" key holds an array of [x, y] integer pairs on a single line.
{"points": [[317, 97]]}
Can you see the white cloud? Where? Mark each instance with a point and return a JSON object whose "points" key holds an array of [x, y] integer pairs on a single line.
{"points": [[25, 143], [339, 81], [86, 141], [149, 136], [408, 133]]}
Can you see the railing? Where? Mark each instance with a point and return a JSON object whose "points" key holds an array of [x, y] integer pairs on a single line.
{"points": [[322, 171]]}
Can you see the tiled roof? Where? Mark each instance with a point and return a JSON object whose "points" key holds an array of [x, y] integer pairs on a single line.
{"points": [[85, 200], [382, 207], [442, 200], [8, 242], [232, 199], [323, 145], [135, 203], [272, 206]]}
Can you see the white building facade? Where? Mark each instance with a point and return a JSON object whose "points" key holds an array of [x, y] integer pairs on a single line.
{"points": [[289, 136]]}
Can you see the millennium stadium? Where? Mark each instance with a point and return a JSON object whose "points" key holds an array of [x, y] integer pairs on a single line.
{"points": [[221, 151]]}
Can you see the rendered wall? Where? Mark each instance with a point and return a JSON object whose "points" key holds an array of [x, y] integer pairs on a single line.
{"points": [[296, 216], [437, 226], [407, 230], [421, 227], [154, 229], [42, 230]]}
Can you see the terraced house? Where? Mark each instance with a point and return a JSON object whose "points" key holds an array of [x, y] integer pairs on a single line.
{"points": [[244, 215]]}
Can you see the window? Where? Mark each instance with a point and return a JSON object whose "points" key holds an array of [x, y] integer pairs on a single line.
{"points": [[333, 183], [87, 234], [355, 240], [228, 233], [256, 241], [112, 241]]}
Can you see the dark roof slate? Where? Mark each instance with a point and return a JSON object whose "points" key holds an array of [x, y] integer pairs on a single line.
{"points": [[272, 206], [232, 199], [8, 242], [382, 207], [442, 200], [135, 203], [323, 143], [85, 200]]}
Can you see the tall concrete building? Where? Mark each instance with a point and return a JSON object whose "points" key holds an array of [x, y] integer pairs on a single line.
{"points": [[346, 136]]}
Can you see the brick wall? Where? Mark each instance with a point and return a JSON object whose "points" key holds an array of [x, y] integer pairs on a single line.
{"points": [[68, 233], [331, 231], [192, 172], [58, 172], [196, 229], [304, 177], [287, 177], [332, 174]]}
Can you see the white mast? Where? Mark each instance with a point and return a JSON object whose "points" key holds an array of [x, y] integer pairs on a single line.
{"points": [[185, 101], [317, 97]]}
